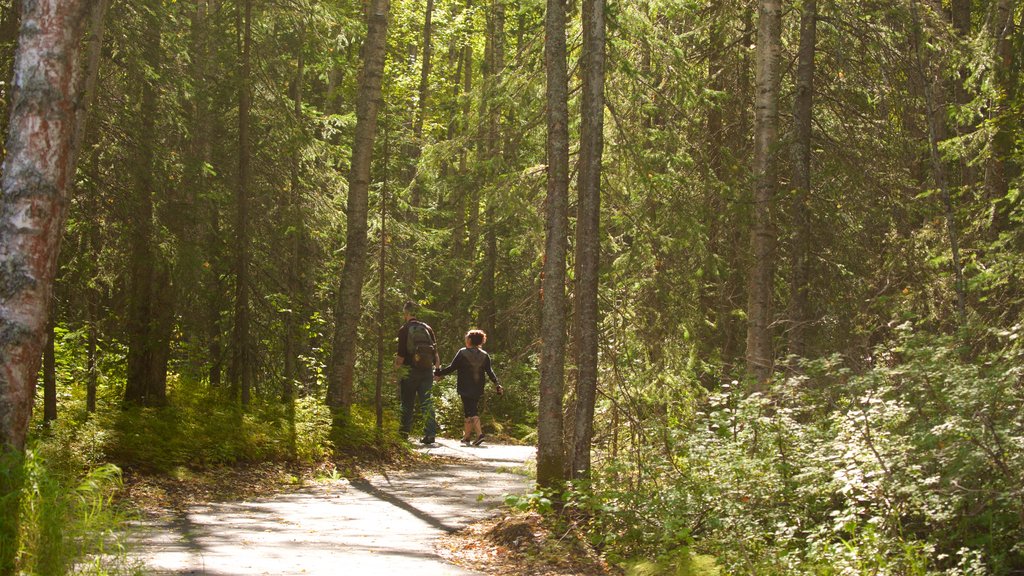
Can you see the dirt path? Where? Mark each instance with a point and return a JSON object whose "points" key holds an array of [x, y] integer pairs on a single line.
{"points": [[374, 526]]}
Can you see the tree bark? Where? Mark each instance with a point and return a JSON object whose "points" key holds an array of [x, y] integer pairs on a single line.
{"points": [[997, 171], [90, 80], [93, 57], [803, 111], [760, 357], [37, 174], [550, 454], [588, 236], [488, 289], [50, 372], [142, 330], [210, 212], [960, 17], [456, 201], [349, 302], [294, 315], [421, 107], [413, 148], [935, 122], [241, 364], [92, 375], [8, 44], [162, 328], [378, 396]]}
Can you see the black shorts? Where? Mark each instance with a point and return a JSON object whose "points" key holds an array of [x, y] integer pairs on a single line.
{"points": [[470, 406]]}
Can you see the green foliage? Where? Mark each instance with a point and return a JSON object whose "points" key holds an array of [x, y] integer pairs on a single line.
{"points": [[912, 467], [684, 565], [68, 519], [312, 430], [538, 501]]}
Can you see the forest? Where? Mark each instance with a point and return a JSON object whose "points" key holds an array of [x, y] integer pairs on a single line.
{"points": [[750, 270]]}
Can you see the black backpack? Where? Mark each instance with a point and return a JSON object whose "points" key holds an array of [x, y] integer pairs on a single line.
{"points": [[420, 346]]}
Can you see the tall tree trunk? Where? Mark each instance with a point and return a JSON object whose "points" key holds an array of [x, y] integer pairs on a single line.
{"points": [[50, 371], [997, 173], [799, 304], [489, 319], [241, 369], [294, 315], [90, 80], [199, 180], [162, 329], [488, 153], [413, 149], [421, 107], [935, 120], [760, 357], [588, 236], [349, 302], [960, 17], [736, 263], [378, 396], [550, 454], [142, 336], [454, 125], [8, 45], [719, 246], [92, 374], [465, 198], [37, 174], [90, 83]]}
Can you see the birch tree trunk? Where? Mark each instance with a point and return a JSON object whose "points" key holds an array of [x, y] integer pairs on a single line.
{"points": [[588, 237], [348, 308], [37, 174], [760, 357], [550, 453]]}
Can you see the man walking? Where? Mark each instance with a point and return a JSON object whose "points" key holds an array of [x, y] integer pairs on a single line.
{"points": [[417, 352]]}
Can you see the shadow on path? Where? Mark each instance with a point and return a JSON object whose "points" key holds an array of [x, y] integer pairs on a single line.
{"points": [[365, 486]]}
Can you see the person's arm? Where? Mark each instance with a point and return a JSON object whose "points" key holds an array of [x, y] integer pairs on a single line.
{"points": [[437, 355], [490, 374], [442, 372]]}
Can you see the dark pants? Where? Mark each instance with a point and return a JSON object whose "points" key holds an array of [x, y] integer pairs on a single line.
{"points": [[470, 406], [418, 384]]}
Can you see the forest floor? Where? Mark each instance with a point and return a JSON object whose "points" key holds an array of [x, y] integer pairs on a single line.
{"points": [[439, 517]]}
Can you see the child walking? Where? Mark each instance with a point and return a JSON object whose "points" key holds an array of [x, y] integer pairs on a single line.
{"points": [[472, 363]]}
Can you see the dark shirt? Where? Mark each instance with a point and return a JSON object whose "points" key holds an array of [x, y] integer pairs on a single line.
{"points": [[472, 364], [403, 337]]}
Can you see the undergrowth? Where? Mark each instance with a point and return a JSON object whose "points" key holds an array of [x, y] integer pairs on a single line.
{"points": [[912, 467]]}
